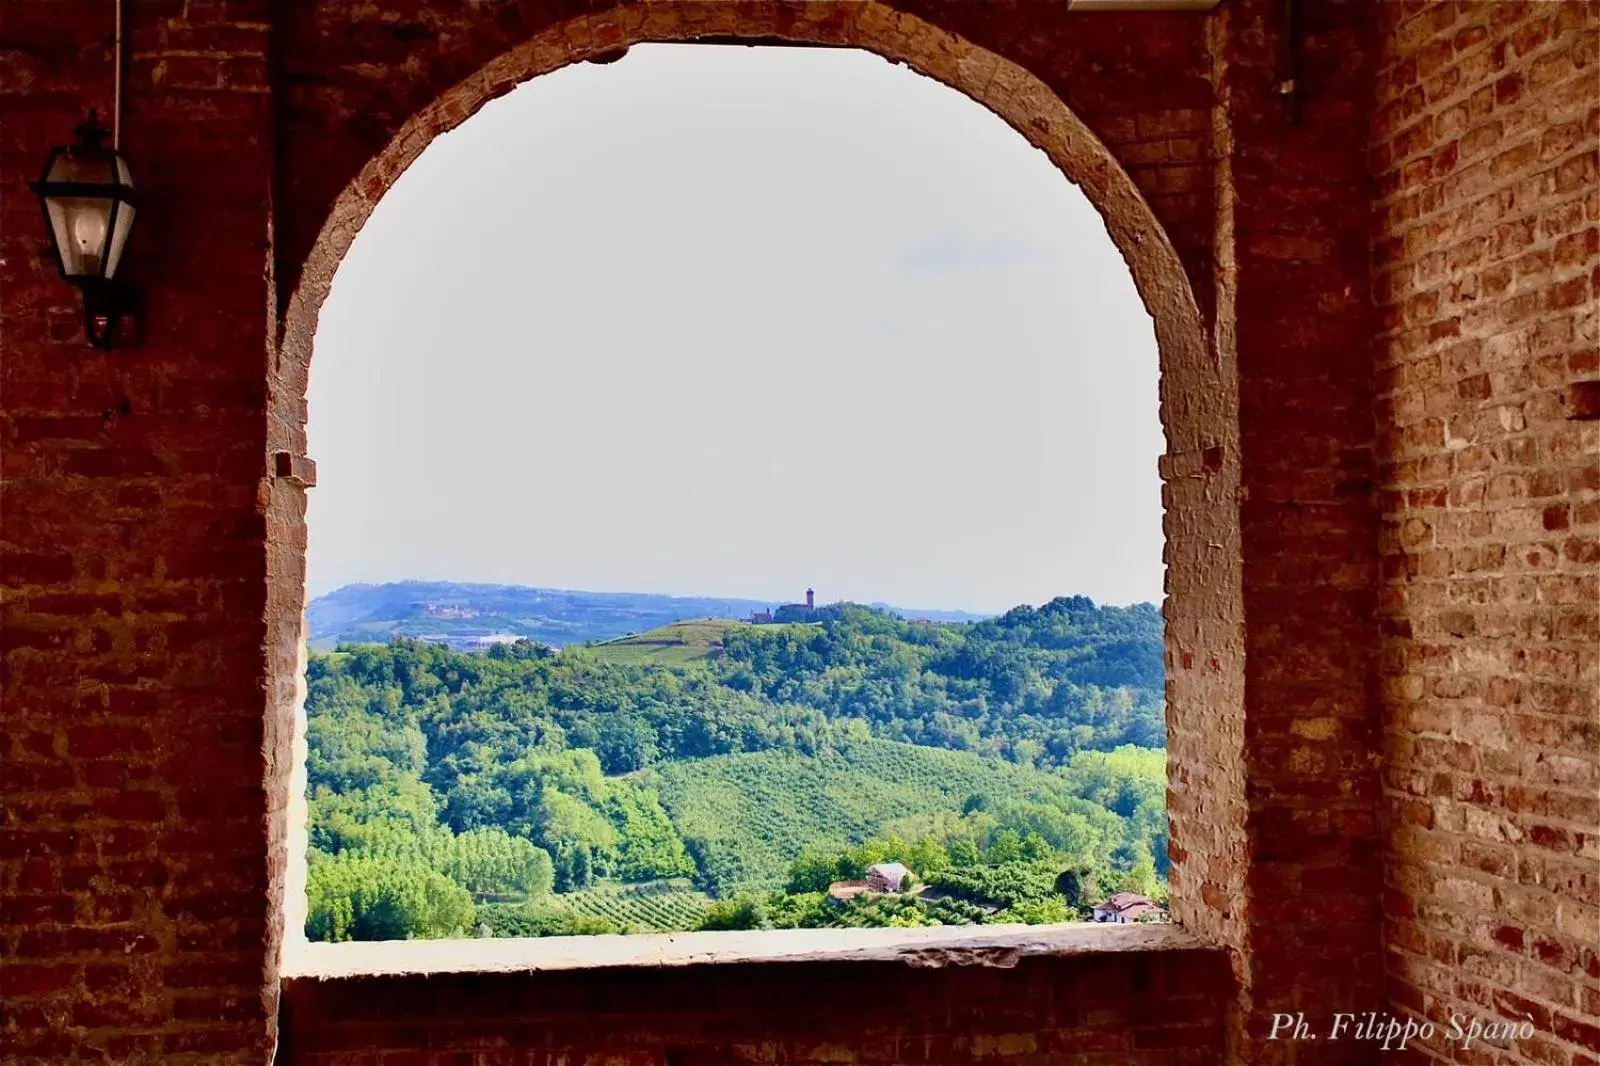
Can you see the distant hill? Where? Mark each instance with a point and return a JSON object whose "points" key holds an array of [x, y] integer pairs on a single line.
{"points": [[914, 615], [472, 615], [464, 614]]}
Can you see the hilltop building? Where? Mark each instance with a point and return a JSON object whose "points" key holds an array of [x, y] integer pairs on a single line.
{"points": [[788, 612], [883, 878], [448, 610], [888, 877]]}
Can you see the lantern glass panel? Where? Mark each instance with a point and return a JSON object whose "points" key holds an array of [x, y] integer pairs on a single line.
{"points": [[81, 223], [121, 219], [121, 224]]}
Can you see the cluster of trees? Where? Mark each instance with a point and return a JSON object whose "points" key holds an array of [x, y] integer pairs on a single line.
{"points": [[547, 822], [969, 871], [745, 817], [1035, 685], [362, 897], [452, 792]]}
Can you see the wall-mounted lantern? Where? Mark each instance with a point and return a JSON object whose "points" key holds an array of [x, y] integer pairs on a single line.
{"points": [[88, 200]]}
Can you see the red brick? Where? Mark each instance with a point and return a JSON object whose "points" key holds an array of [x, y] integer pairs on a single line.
{"points": [[1454, 452], [1516, 257], [20, 980]]}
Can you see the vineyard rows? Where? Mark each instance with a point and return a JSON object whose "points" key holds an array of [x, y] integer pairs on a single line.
{"points": [[755, 812], [654, 906]]}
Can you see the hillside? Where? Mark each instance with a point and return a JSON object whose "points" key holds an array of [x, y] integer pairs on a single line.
{"points": [[455, 613], [675, 645], [464, 615], [669, 645], [745, 817], [520, 786]]}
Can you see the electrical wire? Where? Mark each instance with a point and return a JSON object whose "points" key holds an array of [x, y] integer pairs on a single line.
{"points": [[116, 78]]}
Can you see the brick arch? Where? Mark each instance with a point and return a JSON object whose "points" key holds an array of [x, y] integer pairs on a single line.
{"points": [[1007, 89], [1198, 392]]}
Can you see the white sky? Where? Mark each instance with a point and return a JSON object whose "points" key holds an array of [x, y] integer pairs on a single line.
{"points": [[734, 321]]}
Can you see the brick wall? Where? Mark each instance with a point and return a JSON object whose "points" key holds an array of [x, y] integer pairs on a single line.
{"points": [[1486, 259], [153, 568], [1126, 1010], [1294, 314], [353, 76], [134, 922], [1136, 135], [150, 567]]}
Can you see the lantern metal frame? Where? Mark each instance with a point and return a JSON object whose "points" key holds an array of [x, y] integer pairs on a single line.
{"points": [[106, 299]]}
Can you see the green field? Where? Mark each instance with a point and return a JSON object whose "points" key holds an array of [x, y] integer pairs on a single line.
{"points": [[752, 813], [671, 645], [674, 645], [653, 906]]}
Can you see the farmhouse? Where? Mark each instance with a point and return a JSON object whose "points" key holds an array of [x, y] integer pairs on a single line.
{"points": [[882, 878], [1125, 907], [888, 877]]}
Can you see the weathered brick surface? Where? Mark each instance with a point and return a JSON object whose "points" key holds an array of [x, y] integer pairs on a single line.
{"points": [[133, 865], [1123, 1011], [1295, 316], [1342, 387], [1486, 258], [154, 587]]}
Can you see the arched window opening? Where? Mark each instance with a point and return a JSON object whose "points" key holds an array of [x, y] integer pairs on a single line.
{"points": [[738, 509]]}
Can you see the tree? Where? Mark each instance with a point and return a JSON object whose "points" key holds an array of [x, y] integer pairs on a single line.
{"points": [[1046, 910], [1070, 886], [743, 912], [361, 898], [1141, 876], [813, 870]]}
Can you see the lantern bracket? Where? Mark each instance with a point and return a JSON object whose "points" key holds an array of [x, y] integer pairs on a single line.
{"points": [[112, 311]]}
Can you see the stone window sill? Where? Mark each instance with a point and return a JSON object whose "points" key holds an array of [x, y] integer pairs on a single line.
{"points": [[932, 946]]}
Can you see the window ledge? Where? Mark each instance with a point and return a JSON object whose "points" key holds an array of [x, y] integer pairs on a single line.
{"points": [[930, 946]]}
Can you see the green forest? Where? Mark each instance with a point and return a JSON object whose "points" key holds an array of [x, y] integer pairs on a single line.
{"points": [[721, 775]]}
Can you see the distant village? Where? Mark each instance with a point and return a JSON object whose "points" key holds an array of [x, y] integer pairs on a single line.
{"points": [[471, 638], [460, 641], [466, 640]]}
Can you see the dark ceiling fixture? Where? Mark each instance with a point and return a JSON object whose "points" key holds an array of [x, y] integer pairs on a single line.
{"points": [[88, 200]]}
